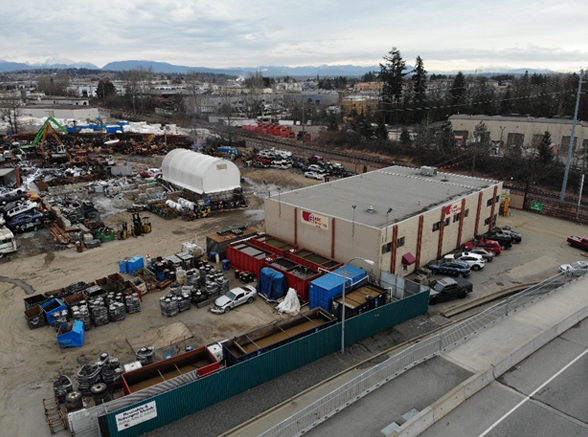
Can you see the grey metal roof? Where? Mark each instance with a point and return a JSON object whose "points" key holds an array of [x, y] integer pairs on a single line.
{"points": [[515, 119], [404, 189]]}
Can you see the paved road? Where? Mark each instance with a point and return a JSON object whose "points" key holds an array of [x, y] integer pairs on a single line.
{"points": [[545, 395]]}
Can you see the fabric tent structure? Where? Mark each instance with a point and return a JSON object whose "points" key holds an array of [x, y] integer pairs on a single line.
{"points": [[200, 173]]}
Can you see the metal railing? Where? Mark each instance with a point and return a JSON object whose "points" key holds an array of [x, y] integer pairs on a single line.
{"points": [[338, 399]]}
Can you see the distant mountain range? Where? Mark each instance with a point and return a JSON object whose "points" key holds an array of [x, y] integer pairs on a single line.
{"points": [[268, 71]]}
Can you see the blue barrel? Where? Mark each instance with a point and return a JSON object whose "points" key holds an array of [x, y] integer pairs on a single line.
{"points": [[226, 264]]}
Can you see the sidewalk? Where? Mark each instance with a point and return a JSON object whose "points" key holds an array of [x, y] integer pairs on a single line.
{"points": [[487, 355]]}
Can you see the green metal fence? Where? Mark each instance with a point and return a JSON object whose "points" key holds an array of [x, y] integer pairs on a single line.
{"points": [[198, 395]]}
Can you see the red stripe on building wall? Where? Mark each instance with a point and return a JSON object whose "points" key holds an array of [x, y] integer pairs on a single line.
{"points": [[296, 226], [393, 249], [419, 241], [480, 197], [461, 217], [441, 234], [491, 224], [333, 238]]}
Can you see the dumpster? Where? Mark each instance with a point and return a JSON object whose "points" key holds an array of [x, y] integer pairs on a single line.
{"points": [[51, 307], [71, 335]]}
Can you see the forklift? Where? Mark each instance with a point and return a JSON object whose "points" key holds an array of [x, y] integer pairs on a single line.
{"points": [[123, 234], [140, 225]]}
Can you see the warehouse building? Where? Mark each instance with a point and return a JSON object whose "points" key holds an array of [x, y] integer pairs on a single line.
{"points": [[399, 217], [200, 173]]}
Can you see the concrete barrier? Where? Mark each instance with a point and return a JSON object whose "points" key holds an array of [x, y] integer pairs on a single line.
{"points": [[447, 403]]}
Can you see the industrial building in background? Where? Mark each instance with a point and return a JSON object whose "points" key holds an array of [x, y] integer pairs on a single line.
{"points": [[400, 217]]}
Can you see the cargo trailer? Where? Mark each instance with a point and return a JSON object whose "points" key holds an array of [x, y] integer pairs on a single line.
{"points": [[275, 335], [201, 360]]}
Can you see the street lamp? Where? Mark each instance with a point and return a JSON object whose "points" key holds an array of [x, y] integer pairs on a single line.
{"points": [[367, 261]]}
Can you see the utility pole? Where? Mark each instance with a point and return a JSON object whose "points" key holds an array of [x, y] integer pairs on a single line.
{"points": [[571, 146]]}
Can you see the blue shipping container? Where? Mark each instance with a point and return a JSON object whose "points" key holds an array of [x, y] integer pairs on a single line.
{"points": [[134, 264], [323, 290]]}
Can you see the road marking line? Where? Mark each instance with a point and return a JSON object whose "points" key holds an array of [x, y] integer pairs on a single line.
{"points": [[516, 407]]}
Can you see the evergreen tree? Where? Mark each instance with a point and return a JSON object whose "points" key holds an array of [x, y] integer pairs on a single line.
{"points": [[458, 92], [544, 152], [105, 89], [419, 86], [392, 75]]}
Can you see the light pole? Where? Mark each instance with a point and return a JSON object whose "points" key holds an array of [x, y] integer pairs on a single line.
{"points": [[387, 212], [353, 221], [367, 261]]}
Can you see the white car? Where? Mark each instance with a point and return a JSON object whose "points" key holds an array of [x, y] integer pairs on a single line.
{"points": [[23, 207], [234, 298], [316, 168], [313, 175], [473, 260], [576, 266]]}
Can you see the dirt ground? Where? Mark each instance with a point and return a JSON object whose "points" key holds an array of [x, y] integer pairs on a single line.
{"points": [[31, 359]]}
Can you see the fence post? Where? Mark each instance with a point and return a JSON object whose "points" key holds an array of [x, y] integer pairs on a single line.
{"points": [[440, 342]]}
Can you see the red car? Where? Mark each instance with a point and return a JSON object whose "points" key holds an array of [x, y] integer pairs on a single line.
{"points": [[147, 174], [491, 245]]}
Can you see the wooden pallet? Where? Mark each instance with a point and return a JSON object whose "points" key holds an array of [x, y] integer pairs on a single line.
{"points": [[54, 416]]}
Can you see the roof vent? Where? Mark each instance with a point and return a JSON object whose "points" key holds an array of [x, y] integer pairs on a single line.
{"points": [[371, 209]]}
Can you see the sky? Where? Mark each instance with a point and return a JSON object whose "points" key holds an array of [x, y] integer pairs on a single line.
{"points": [[449, 35]]}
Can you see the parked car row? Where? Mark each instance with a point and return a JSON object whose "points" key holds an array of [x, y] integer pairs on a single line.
{"points": [[473, 257]]}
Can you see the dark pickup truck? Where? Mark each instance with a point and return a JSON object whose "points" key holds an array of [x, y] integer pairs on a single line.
{"points": [[579, 242], [448, 288]]}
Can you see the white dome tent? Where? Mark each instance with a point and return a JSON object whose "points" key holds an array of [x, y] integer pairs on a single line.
{"points": [[200, 173]]}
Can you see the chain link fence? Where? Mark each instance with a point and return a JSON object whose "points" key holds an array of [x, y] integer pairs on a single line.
{"points": [[338, 399]]}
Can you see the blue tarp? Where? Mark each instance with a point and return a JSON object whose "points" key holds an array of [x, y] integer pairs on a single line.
{"points": [[272, 284]]}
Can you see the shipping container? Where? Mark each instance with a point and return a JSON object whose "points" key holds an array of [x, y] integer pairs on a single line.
{"points": [[298, 277], [247, 258], [272, 244], [330, 286], [365, 298], [271, 336], [313, 260], [200, 360], [218, 243]]}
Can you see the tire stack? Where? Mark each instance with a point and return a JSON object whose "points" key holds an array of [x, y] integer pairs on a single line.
{"points": [[60, 318], [169, 305], [87, 376], [111, 373], [100, 393], [74, 401], [198, 296], [192, 277], [116, 311], [223, 284], [62, 387], [99, 311], [146, 355], [212, 289], [133, 303], [81, 312], [184, 301]]}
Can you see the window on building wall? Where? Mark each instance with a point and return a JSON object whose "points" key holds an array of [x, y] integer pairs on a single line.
{"points": [[456, 217], [400, 242], [495, 220], [489, 202], [447, 220], [497, 199], [487, 221], [386, 248], [436, 226], [466, 213]]}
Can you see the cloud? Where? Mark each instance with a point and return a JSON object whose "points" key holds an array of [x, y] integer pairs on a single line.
{"points": [[210, 33]]}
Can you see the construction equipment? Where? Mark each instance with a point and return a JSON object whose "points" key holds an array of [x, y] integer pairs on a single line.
{"points": [[61, 153], [123, 234], [140, 225]]}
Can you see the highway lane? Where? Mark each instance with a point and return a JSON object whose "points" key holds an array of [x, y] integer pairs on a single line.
{"points": [[545, 395]]}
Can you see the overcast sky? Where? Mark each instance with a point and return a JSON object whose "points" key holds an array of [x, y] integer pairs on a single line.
{"points": [[449, 35]]}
